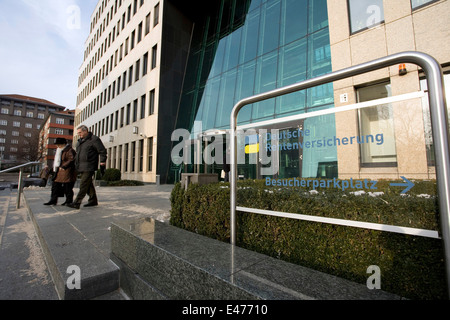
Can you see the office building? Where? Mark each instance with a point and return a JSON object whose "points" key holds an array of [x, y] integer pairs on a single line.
{"points": [[152, 67], [361, 31], [119, 84]]}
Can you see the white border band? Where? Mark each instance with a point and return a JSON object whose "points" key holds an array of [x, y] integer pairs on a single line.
{"points": [[348, 223]]}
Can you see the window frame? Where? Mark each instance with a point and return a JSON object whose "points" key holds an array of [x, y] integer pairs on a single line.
{"points": [[385, 164], [362, 29], [422, 5]]}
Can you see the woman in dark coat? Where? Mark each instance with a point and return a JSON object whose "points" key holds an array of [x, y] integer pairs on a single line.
{"points": [[66, 175]]}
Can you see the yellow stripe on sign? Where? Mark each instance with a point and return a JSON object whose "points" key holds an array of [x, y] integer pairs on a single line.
{"points": [[253, 148]]}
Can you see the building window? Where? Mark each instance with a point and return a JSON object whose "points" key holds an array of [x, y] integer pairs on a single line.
{"points": [[427, 117], [5, 111], [3, 122], [119, 166], [145, 64], [147, 24], [416, 4], [141, 155], [156, 15], [377, 122], [124, 85], [143, 106], [59, 121], [130, 76], [133, 37], [41, 116], [152, 102], [135, 110], [126, 152], [59, 132], [15, 133], [128, 114], [150, 154], [365, 14], [30, 114], [154, 56], [138, 69], [133, 156], [139, 35], [18, 113], [16, 124]]}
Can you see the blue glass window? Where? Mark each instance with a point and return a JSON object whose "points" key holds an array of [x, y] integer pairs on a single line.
{"points": [[257, 46]]}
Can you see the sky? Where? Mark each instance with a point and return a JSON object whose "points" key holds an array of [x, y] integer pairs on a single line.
{"points": [[42, 43]]}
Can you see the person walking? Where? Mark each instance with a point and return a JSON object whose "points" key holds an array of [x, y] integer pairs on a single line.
{"points": [[89, 149], [44, 174], [65, 174]]}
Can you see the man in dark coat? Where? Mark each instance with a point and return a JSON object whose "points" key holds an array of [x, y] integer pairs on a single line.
{"points": [[89, 149]]}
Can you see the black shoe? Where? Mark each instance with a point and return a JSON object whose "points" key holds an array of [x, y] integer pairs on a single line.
{"points": [[50, 203], [63, 204], [91, 204], [73, 205]]}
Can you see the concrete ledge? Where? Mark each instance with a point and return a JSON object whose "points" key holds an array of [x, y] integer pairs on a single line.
{"points": [[159, 261]]}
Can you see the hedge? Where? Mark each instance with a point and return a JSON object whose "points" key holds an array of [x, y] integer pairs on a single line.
{"points": [[411, 266], [112, 174]]}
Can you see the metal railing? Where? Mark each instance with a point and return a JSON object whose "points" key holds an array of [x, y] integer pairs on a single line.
{"points": [[20, 183], [439, 123]]}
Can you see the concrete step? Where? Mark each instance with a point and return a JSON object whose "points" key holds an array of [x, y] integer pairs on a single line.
{"points": [[159, 261], [68, 251]]}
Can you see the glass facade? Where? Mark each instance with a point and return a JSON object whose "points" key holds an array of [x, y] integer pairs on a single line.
{"points": [[243, 48]]}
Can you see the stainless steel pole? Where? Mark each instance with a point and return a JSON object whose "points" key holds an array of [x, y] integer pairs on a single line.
{"points": [[19, 188]]}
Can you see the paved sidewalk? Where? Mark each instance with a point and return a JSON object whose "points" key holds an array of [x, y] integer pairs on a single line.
{"points": [[115, 204], [82, 237], [24, 273]]}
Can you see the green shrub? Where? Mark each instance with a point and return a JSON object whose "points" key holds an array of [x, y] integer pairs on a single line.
{"points": [[411, 266], [112, 175], [125, 183]]}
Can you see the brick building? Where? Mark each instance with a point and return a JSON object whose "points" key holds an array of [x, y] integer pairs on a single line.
{"points": [[21, 118], [56, 125]]}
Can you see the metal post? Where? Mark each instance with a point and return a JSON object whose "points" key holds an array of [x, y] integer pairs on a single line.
{"points": [[19, 188], [439, 120]]}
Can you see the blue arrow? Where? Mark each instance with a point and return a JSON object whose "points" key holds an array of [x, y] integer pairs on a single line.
{"points": [[408, 184]]}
